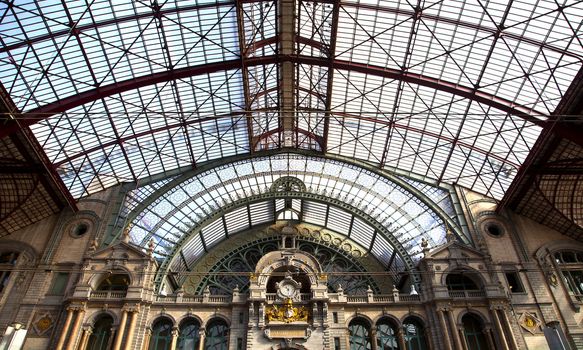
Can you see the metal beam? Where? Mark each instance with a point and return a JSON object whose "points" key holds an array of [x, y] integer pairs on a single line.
{"points": [[79, 29], [330, 84], [287, 73], [566, 130], [379, 8], [465, 24]]}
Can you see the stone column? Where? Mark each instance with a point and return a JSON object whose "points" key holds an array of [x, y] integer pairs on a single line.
{"points": [[428, 339], [65, 330], [120, 330], [441, 315], [488, 335], [499, 328], [401, 338], [463, 339], [85, 338], [147, 336], [76, 327], [201, 335], [508, 326], [454, 332], [373, 338], [174, 341], [131, 329]]}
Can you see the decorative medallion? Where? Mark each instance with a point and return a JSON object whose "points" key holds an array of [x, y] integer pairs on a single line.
{"points": [[286, 313], [529, 322], [43, 324]]}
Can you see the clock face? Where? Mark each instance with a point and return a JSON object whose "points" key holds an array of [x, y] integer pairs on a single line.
{"points": [[287, 290]]}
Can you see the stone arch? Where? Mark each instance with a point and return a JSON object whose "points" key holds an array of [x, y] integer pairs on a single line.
{"points": [[160, 316], [554, 246], [414, 316], [274, 260], [360, 316], [189, 316], [390, 318], [473, 274], [470, 311], [24, 250], [99, 276], [216, 316], [97, 314]]}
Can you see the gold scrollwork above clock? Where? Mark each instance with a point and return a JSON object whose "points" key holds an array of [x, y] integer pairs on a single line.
{"points": [[286, 313]]}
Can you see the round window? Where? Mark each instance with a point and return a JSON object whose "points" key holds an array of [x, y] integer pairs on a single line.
{"points": [[79, 229], [493, 228]]}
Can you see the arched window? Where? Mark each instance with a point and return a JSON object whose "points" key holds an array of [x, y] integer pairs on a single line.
{"points": [[217, 335], [414, 334], [161, 335], [387, 335], [460, 281], [571, 265], [359, 331], [7, 262], [99, 339], [115, 282], [474, 332], [189, 338]]}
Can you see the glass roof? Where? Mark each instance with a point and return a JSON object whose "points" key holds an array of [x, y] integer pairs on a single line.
{"points": [[453, 91], [190, 216]]}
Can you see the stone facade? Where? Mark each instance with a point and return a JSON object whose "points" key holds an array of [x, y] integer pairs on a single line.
{"points": [[52, 291]]}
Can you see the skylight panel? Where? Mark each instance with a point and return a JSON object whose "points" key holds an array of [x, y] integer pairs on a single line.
{"points": [[193, 249], [261, 212], [361, 232], [382, 250], [339, 220], [315, 213], [213, 232], [237, 220]]}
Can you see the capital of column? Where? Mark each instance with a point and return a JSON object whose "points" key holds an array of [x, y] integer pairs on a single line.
{"points": [[131, 308], [174, 332], [498, 307]]}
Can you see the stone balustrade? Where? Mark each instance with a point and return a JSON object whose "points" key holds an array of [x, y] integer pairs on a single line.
{"points": [[108, 294], [271, 297], [467, 294]]}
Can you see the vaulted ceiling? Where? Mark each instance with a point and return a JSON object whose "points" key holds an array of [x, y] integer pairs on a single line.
{"points": [[448, 92]]}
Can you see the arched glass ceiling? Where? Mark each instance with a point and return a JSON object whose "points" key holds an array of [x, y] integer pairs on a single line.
{"points": [[192, 215], [455, 91]]}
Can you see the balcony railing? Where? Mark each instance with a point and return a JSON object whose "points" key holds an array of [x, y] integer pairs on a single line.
{"points": [[273, 296], [108, 294], [465, 294], [195, 299]]}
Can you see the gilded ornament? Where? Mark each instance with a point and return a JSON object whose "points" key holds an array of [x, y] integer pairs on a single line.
{"points": [[43, 324], [287, 313]]}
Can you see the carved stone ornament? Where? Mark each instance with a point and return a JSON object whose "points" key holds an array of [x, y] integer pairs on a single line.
{"points": [[529, 322], [553, 280]]}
